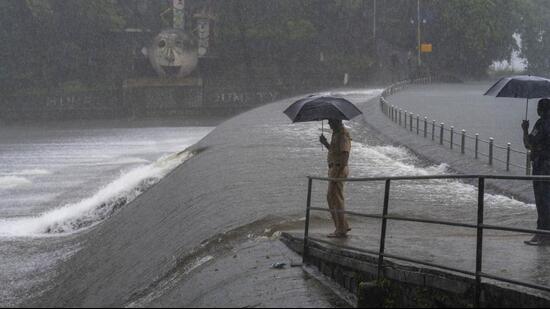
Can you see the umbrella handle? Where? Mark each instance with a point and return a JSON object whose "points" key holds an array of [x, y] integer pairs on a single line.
{"points": [[322, 131], [527, 109]]}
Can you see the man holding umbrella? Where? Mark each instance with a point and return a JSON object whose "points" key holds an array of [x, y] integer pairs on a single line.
{"points": [[335, 109], [338, 155], [539, 144], [531, 87]]}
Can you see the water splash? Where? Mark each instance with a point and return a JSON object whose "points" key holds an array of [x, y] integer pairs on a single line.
{"points": [[88, 212]]}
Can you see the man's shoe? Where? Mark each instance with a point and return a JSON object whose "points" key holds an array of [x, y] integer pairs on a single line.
{"points": [[337, 235], [537, 241]]}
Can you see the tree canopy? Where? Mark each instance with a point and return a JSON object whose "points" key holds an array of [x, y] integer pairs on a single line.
{"points": [[47, 43]]}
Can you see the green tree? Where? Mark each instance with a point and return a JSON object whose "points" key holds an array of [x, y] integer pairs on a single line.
{"points": [[469, 35], [535, 34]]}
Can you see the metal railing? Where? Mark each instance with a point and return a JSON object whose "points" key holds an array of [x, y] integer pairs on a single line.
{"points": [[446, 135], [478, 274]]}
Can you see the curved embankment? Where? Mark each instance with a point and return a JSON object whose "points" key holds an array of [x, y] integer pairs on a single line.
{"points": [[249, 172]]}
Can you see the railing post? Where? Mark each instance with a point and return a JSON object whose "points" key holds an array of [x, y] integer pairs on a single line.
{"points": [[406, 116], [463, 143], [528, 163], [306, 230], [400, 110], [417, 124], [442, 127], [508, 148], [452, 136], [383, 229], [479, 243], [433, 130], [411, 121], [477, 145], [425, 127], [491, 145]]}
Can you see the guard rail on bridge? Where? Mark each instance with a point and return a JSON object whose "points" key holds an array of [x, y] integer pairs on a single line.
{"points": [[449, 136], [478, 273]]}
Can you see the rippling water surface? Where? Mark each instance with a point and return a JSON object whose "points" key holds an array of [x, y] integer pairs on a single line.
{"points": [[58, 181]]}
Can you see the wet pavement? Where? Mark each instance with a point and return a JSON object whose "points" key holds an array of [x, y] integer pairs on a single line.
{"points": [[249, 280], [504, 253], [464, 106]]}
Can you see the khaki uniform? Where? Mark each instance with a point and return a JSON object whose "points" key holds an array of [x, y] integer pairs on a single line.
{"points": [[340, 143]]}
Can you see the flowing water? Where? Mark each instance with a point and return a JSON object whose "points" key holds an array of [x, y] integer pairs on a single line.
{"points": [[55, 182]]}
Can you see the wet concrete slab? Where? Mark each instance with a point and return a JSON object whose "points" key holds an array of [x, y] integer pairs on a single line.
{"points": [[244, 277], [504, 253]]}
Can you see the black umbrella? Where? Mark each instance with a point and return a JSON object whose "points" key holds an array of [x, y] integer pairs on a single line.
{"points": [[521, 86], [321, 107]]}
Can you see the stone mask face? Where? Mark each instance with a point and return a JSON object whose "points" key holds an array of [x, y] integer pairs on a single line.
{"points": [[173, 53]]}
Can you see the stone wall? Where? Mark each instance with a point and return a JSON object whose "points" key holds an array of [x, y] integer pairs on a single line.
{"points": [[144, 101], [55, 106]]}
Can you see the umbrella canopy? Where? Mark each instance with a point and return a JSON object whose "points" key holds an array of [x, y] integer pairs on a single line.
{"points": [[320, 107], [521, 86]]}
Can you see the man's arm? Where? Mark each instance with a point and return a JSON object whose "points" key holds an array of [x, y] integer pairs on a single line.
{"points": [[526, 141], [537, 136], [324, 141]]}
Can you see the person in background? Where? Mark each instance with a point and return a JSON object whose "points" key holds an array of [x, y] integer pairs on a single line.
{"points": [[538, 142], [338, 156]]}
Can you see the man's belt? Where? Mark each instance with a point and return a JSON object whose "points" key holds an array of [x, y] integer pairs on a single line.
{"points": [[331, 165]]}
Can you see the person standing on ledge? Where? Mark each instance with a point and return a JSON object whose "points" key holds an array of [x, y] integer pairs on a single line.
{"points": [[338, 155], [539, 144]]}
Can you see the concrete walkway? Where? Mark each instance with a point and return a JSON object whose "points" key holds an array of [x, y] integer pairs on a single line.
{"points": [[504, 254]]}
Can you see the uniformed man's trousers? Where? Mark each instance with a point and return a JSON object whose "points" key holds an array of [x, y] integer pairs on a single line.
{"points": [[335, 198]]}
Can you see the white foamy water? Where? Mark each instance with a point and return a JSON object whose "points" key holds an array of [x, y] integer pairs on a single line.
{"points": [[32, 172], [358, 92], [91, 211], [10, 182], [43, 169], [379, 161]]}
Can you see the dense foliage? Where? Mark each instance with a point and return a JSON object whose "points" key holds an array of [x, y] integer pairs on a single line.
{"points": [[55, 43]]}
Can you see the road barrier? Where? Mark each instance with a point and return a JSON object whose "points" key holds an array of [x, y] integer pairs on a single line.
{"points": [[469, 145]]}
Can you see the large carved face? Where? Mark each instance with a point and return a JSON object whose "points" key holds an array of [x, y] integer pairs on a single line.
{"points": [[173, 53]]}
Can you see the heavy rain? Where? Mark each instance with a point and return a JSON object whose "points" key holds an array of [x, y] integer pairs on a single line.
{"points": [[274, 153]]}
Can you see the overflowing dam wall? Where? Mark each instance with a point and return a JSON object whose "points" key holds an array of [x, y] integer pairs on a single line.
{"points": [[248, 169]]}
